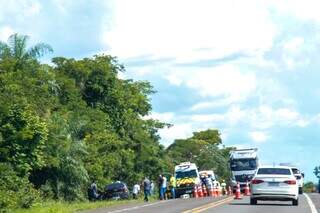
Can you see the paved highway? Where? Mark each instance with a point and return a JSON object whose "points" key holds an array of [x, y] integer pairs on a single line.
{"points": [[217, 205]]}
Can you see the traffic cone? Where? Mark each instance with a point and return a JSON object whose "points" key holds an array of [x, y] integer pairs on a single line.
{"points": [[195, 191], [247, 190], [218, 191], [200, 193], [238, 193], [204, 191], [212, 192]]}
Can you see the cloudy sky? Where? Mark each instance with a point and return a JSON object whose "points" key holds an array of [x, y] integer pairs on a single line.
{"points": [[248, 68]]}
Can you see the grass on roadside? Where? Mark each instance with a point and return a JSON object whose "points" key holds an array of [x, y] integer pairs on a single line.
{"points": [[65, 207]]}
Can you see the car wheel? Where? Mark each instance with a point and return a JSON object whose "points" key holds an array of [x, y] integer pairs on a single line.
{"points": [[300, 190], [253, 201], [295, 202]]}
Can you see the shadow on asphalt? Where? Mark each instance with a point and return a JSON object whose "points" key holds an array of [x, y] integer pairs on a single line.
{"points": [[260, 204]]}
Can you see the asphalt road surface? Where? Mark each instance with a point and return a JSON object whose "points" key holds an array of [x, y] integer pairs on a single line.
{"points": [[214, 205]]}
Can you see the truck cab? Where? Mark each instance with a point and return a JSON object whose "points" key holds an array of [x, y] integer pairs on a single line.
{"points": [[187, 176], [243, 165]]}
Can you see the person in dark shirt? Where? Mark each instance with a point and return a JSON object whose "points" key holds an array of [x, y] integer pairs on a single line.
{"points": [[93, 191], [160, 180], [147, 188]]}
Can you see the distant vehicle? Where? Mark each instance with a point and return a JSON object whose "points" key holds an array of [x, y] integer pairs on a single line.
{"points": [[187, 176], [298, 174], [117, 190], [274, 183], [300, 178], [243, 165]]}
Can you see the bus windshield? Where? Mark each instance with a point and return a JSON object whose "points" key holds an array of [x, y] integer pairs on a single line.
{"points": [[186, 174], [243, 164]]}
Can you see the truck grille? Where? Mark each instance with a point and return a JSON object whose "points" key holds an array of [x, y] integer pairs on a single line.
{"points": [[243, 178]]}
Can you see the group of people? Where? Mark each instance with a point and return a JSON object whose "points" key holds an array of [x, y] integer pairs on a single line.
{"points": [[162, 185], [208, 183], [148, 188]]}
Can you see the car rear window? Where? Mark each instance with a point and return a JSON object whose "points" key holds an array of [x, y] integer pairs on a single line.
{"points": [[115, 186], [274, 171], [295, 171]]}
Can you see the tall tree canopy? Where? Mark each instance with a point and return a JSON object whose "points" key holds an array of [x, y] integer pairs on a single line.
{"points": [[64, 125]]}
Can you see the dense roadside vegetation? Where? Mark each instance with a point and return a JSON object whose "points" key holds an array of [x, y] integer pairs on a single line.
{"points": [[65, 124]]}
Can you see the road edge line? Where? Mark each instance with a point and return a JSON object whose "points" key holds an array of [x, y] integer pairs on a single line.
{"points": [[311, 205]]}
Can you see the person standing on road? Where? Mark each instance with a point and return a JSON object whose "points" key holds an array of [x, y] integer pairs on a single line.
{"points": [[209, 184], [224, 187], [163, 187], [151, 188], [173, 186], [147, 187], [160, 179], [135, 191]]}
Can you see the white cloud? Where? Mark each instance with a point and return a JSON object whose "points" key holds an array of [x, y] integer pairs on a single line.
{"points": [[5, 32], [174, 80], [261, 118], [207, 118], [294, 52], [189, 30], [178, 131], [226, 82], [164, 117], [305, 10], [258, 137], [294, 44], [19, 9]]}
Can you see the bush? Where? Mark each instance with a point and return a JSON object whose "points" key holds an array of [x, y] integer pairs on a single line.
{"points": [[15, 191]]}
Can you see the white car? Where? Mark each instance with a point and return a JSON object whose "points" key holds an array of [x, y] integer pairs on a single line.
{"points": [[274, 183], [300, 178]]}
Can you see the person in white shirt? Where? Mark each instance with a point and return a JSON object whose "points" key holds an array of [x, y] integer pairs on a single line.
{"points": [[163, 188], [135, 191]]}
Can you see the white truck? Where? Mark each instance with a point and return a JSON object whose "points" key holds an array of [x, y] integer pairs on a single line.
{"points": [[187, 176], [243, 165]]}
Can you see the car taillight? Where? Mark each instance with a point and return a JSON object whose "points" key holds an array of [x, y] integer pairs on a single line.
{"points": [[256, 181], [290, 182]]}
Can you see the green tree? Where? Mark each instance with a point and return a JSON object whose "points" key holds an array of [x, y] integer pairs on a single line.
{"points": [[317, 171], [16, 54], [203, 149], [22, 139], [64, 125]]}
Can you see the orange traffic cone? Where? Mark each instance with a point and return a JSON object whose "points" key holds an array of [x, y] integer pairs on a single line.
{"points": [[215, 191], [212, 192], [200, 193], [238, 193], [247, 190], [195, 191], [204, 191]]}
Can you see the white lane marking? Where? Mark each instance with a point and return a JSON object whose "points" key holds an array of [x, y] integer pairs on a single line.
{"points": [[139, 207], [312, 207]]}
